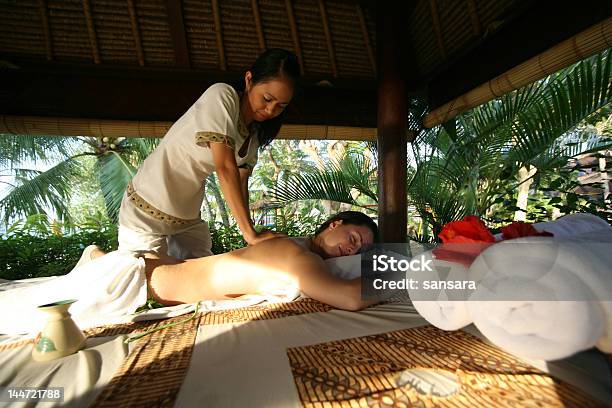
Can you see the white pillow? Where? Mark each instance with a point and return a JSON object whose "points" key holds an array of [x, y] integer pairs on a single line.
{"points": [[345, 267]]}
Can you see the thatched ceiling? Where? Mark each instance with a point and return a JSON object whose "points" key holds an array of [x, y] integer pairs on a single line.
{"points": [[149, 60]]}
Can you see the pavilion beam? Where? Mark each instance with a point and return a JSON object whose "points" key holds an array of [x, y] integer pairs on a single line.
{"points": [[91, 30], [328, 39], [476, 26], [174, 9], [366, 38], [44, 18], [258, 25], [392, 124], [528, 33], [136, 32], [433, 6], [127, 95], [589, 42], [53, 126], [294, 34], [219, 35]]}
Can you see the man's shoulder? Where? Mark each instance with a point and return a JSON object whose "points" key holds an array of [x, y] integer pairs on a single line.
{"points": [[290, 246]]}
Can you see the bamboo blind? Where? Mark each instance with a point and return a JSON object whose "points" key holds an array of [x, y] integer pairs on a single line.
{"points": [[48, 126], [581, 46]]}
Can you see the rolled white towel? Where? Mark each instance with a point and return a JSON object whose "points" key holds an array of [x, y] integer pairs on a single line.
{"points": [[572, 225], [436, 307], [541, 297], [108, 287], [539, 330]]}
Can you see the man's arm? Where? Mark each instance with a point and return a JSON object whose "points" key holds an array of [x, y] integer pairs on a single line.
{"points": [[316, 281]]}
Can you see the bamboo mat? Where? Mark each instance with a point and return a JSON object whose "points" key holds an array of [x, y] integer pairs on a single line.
{"points": [[366, 372], [153, 372]]}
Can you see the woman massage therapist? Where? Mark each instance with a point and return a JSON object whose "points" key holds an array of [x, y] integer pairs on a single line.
{"points": [[273, 264], [221, 132]]}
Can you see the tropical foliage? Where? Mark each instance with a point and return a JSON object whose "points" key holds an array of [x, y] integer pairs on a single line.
{"points": [[350, 179], [35, 247], [472, 164], [469, 164], [70, 161]]}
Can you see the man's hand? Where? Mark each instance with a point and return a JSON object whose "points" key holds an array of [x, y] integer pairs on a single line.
{"points": [[263, 236]]}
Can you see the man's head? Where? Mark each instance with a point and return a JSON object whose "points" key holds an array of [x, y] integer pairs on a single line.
{"points": [[345, 233]]}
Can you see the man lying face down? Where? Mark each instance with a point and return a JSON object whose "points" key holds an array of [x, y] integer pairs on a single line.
{"points": [[269, 266]]}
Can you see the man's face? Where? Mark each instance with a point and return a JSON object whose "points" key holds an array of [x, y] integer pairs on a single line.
{"points": [[340, 239]]}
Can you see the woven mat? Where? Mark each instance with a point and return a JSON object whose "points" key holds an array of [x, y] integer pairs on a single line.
{"points": [[153, 372], [265, 312], [362, 372]]}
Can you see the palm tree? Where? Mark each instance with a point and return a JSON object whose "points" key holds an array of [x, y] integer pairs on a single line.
{"points": [[466, 165], [29, 191], [351, 179]]}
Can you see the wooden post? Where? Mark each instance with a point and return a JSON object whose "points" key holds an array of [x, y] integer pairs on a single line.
{"points": [[392, 123]]}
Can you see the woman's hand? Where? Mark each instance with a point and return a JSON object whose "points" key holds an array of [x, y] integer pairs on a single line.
{"points": [[263, 236]]}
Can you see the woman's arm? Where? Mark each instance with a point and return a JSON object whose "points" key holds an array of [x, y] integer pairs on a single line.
{"points": [[245, 173], [233, 191]]}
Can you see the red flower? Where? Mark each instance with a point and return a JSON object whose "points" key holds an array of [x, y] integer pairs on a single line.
{"points": [[470, 230], [463, 240], [521, 229]]}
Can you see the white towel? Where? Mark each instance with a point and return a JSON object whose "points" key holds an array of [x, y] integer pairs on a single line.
{"points": [[105, 289], [574, 267], [437, 309], [548, 293], [572, 225]]}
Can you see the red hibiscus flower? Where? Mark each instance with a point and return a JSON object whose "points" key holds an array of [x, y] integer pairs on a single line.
{"points": [[470, 230], [463, 240], [521, 229]]}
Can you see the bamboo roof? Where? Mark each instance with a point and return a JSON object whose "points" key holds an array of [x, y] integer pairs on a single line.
{"points": [[142, 63]]}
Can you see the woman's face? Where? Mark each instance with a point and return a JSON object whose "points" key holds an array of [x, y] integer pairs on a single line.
{"points": [[268, 99], [343, 239]]}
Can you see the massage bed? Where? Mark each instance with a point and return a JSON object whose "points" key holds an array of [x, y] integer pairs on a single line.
{"points": [[254, 351], [303, 353]]}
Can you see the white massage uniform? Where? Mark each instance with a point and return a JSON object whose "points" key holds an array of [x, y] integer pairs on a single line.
{"points": [[161, 208]]}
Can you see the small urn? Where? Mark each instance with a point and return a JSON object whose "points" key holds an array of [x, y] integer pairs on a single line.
{"points": [[61, 336]]}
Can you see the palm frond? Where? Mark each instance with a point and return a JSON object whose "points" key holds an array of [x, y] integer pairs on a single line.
{"points": [[16, 149], [566, 102], [335, 182], [36, 191], [114, 174]]}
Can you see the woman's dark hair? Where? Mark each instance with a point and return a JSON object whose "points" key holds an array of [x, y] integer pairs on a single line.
{"points": [[272, 64], [352, 217]]}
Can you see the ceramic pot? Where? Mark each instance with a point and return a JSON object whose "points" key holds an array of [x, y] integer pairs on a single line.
{"points": [[61, 336]]}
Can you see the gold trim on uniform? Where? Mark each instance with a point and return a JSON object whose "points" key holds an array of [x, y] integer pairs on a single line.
{"points": [[204, 138], [143, 205]]}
